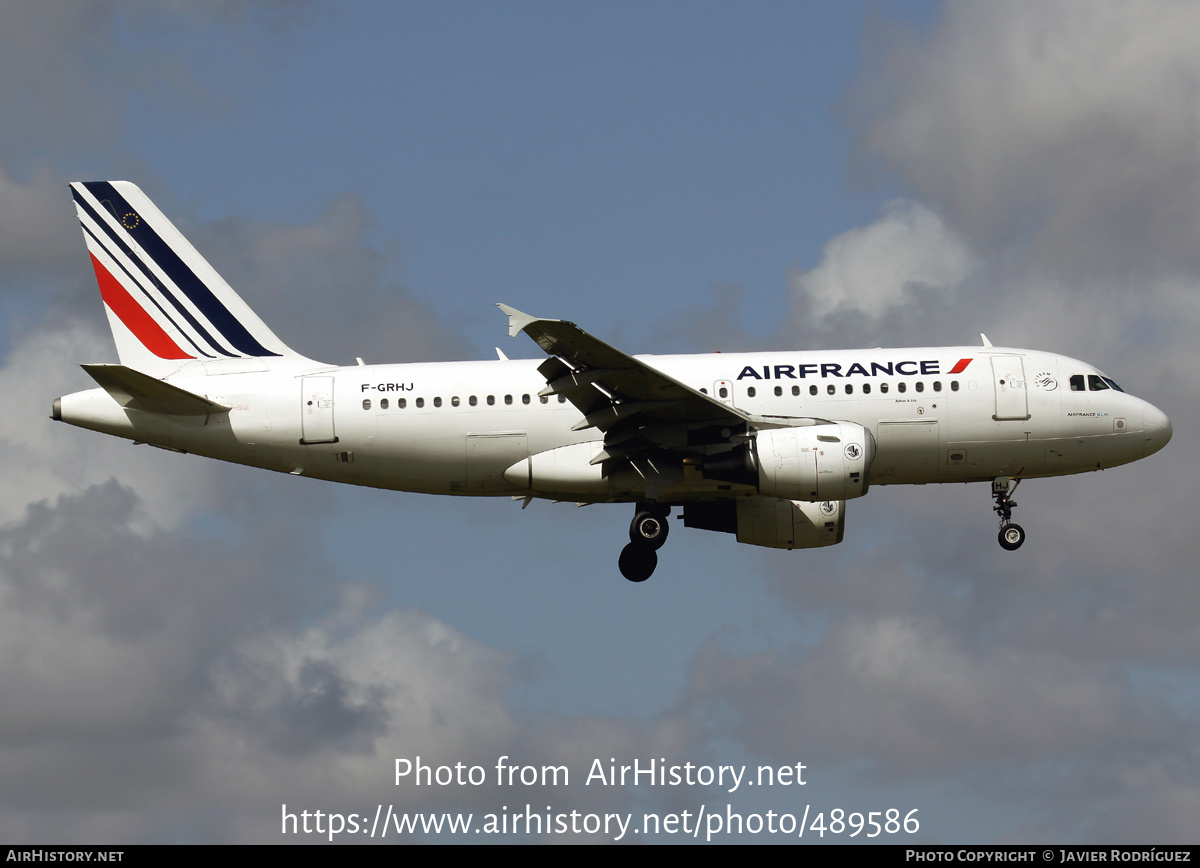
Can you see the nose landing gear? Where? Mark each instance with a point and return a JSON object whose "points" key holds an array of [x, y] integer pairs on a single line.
{"points": [[1011, 536], [647, 533]]}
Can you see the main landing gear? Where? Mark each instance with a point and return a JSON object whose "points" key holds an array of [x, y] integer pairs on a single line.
{"points": [[647, 533], [1011, 535]]}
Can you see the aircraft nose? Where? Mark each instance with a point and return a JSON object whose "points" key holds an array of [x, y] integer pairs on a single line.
{"points": [[1156, 428]]}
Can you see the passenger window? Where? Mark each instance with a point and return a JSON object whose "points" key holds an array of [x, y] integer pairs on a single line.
{"points": [[401, 403], [420, 402], [704, 391], [795, 391], [472, 400], [751, 392], [812, 390], [724, 393], [883, 388], [954, 385], [454, 401], [383, 403], [562, 399], [902, 386], [920, 386], [543, 399], [866, 388], [937, 386], [508, 399], [778, 391], [831, 389], [1096, 383], [491, 399], [366, 403], [849, 389], [525, 398], [437, 402]]}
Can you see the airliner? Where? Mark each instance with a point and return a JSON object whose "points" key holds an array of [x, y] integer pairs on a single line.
{"points": [[765, 446]]}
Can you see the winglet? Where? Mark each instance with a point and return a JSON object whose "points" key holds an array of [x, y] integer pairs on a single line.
{"points": [[516, 319]]}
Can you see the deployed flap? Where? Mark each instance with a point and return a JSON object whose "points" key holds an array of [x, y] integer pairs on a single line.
{"points": [[137, 391]]}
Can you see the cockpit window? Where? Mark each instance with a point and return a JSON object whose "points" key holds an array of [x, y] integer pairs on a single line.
{"points": [[1077, 383], [1096, 383], [1114, 385]]}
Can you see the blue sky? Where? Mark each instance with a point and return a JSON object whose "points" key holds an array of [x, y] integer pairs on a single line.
{"points": [[554, 154], [208, 642]]}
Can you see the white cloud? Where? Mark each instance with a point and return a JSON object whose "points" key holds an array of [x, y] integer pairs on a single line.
{"points": [[43, 459], [1072, 127], [874, 269], [908, 695], [152, 677]]}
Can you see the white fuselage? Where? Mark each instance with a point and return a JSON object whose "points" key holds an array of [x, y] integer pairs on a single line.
{"points": [[956, 414]]}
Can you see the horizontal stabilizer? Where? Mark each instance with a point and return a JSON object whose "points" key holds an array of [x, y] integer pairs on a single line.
{"points": [[137, 391]]}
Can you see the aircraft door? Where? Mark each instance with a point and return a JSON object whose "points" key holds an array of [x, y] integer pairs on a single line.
{"points": [[316, 410], [1008, 379]]}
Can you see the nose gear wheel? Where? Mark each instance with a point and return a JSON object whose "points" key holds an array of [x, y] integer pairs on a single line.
{"points": [[1011, 537]]}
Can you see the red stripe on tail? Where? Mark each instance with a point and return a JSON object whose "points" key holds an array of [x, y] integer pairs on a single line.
{"points": [[128, 311]]}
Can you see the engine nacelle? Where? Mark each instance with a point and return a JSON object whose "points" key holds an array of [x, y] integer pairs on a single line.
{"points": [[772, 521], [815, 463]]}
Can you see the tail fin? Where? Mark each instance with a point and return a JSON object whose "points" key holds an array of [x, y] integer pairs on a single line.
{"points": [[167, 307]]}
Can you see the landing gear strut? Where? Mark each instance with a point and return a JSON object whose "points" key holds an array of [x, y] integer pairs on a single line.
{"points": [[1011, 535], [647, 533]]}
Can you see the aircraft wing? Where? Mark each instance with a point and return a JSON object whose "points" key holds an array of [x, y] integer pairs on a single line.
{"points": [[649, 419], [609, 386]]}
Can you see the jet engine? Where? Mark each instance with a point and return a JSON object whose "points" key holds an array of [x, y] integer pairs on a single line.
{"points": [[827, 462]]}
